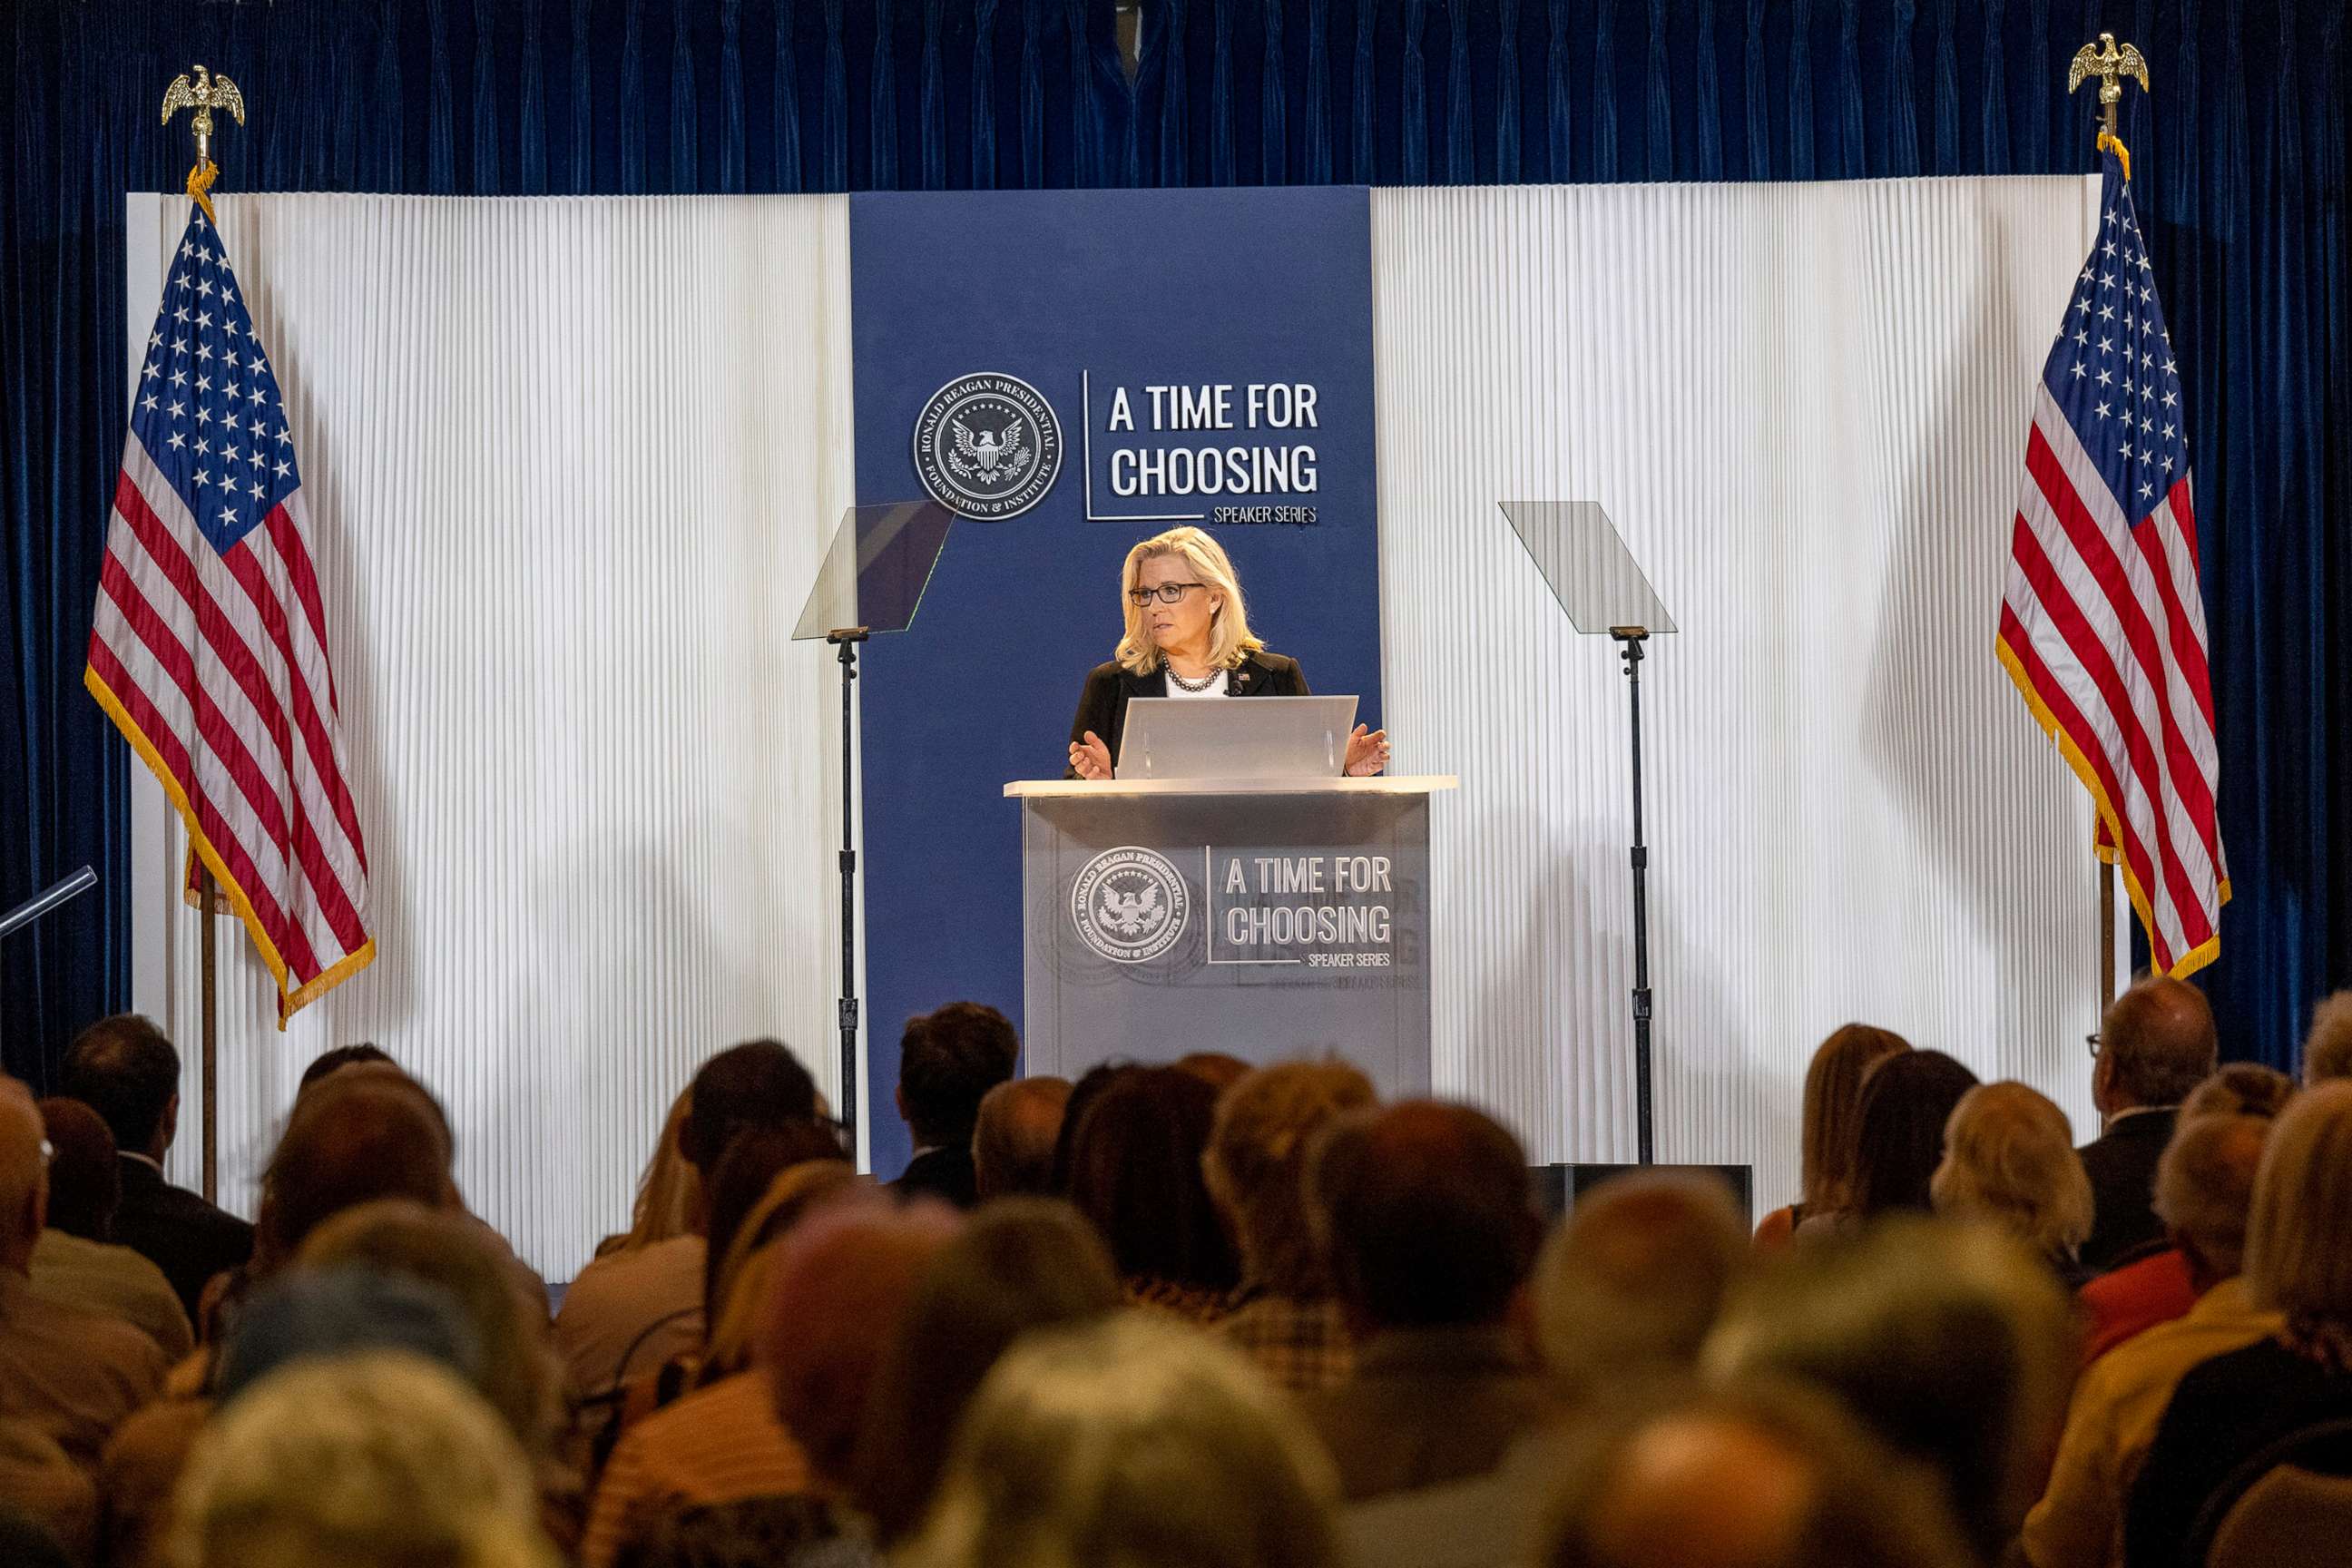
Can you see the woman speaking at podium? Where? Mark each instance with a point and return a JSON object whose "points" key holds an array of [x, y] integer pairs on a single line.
{"points": [[1187, 637]]}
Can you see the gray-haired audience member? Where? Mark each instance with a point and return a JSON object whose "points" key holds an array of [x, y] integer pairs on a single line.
{"points": [[1630, 1284], [2327, 1048], [1954, 1344], [2157, 1044], [1286, 1317], [1426, 1215], [1013, 1142], [1751, 1475]]}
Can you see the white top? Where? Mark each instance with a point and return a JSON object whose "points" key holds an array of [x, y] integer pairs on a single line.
{"points": [[1218, 682], [1048, 789]]}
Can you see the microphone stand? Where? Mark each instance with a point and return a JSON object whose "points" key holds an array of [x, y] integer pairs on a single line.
{"points": [[845, 639], [1629, 644]]}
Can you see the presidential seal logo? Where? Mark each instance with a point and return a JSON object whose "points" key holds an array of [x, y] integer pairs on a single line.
{"points": [[1130, 904], [988, 445]]}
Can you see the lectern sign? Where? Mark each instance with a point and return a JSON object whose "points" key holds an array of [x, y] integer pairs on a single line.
{"points": [[1130, 904]]}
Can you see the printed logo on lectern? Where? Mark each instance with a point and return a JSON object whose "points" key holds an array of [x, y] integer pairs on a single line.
{"points": [[988, 445], [1131, 904]]}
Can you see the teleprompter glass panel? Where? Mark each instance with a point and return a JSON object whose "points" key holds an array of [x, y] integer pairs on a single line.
{"points": [[1584, 561], [876, 568]]}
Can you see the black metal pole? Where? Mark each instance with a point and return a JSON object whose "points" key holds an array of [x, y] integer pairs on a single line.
{"points": [[1629, 644], [846, 640]]}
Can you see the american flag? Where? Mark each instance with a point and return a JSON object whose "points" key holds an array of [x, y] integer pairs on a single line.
{"points": [[208, 648], [2102, 625]]}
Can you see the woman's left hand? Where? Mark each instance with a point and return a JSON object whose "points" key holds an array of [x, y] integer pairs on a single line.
{"points": [[1368, 752]]}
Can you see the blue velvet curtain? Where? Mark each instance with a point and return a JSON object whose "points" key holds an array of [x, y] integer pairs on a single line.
{"points": [[2241, 156]]}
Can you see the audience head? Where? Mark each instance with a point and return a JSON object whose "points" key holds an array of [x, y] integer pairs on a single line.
{"points": [[125, 1070], [2010, 1161], [1256, 1166], [2155, 1043], [1755, 1474], [947, 1060], [449, 1251], [2299, 1230], [2327, 1048], [85, 1180], [1219, 1069], [307, 1314], [737, 1303], [669, 1202], [1134, 1440], [1634, 1280], [1951, 1342], [756, 1084], [366, 1132], [1426, 1215], [839, 1290], [1135, 1172], [1083, 1094], [336, 1059], [1017, 1266], [2204, 1187], [744, 1175], [1906, 1100], [2241, 1088], [1013, 1142], [378, 1460], [1833, 1109], [23, 1177]]}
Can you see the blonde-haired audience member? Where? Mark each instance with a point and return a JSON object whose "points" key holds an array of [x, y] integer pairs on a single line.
{"points": [[1630, 1284], [669, 1189], [1285, 1317], [2299, 1264], [376, 1460], [2203, 1186], [1831, 1126], [2327, 1048], [1138, 1441], [2009, 1162]]}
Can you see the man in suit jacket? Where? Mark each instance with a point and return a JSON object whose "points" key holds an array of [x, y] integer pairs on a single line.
{"points": [[125, 1070], [2157, 1044], [947, 1061]]}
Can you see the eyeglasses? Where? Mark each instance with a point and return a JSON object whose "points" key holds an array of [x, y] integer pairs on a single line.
{"points": [[1167, 592], [2093, 1041]]}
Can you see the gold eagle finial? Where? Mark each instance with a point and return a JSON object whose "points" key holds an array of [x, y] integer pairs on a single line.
{"points": [[2110, 65], [204, 95]]}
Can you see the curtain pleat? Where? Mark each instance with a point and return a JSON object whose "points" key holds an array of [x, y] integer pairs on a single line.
{"points": [[2239, 160]]}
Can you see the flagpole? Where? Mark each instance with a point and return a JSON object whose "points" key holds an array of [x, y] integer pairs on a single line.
{"points": [[207, 963]]}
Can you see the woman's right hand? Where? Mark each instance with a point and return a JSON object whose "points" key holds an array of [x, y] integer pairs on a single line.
{"points": [[1090, 758]]}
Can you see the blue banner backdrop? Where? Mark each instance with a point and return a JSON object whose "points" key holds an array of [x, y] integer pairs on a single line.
{"points": [[1183, 341]]}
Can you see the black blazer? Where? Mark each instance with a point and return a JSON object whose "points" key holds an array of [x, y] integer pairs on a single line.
{"points": [[1102, 707], [178, 1232], [2122, 1168], [943, 1173]]}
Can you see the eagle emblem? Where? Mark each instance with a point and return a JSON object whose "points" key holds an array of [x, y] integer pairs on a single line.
{"points": [[1131, 904], [204, 95], [2110, 65], [994, 457], [1133, 915], [987, 445]]}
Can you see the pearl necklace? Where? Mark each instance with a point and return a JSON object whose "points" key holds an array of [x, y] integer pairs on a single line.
{"points": [[1202, 684]]}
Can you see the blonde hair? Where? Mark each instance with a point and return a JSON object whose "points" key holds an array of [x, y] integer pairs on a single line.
{"points": [[366, 1461], [669, 1192], [2327, 1048], [2010, 1161], [1255, 1164], [741, 1293], [1230, 638], [1831, 1130], [2299, 1230], [1135, 1441]]}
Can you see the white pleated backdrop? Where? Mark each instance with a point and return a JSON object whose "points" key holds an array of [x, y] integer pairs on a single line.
{"points": [[571, 463], [1804, 405]]}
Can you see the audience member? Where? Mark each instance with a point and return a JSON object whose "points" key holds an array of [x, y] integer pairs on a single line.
{"points": [[1952, 1344], [75, 1264], [2156, 1043], [1426, 1215], [2009, 1162], [1219, 1069], [366, 1132], [309, 1314], [1630, 1286], [48, 1504], [375, 1460], [745, 1188], [722, 1442], [1833, 1105], [1906, 1100], [335, 1058], [631, 1311], [1019, 1265], [1089, 1088], [2158, 1289], [2327, 1048], [1754, 1475], [748, 1532], [947, 1061], [2204, 1185], [1286, 1317], [1135, 1172], [71, 1374], [2298, 1262], [123, 1068], [1012, 1140], [1133, 1441], [669, 1190]]}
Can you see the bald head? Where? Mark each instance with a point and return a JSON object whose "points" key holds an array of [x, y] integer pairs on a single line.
{"points": [[1635, 1278], [2155, 1044], [1013, 1142], [365, 1133], [23, 1177], [1425, 1213]]}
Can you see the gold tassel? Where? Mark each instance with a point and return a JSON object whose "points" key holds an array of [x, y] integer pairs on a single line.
{"points": [[200, 180], [2123, 154]]}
